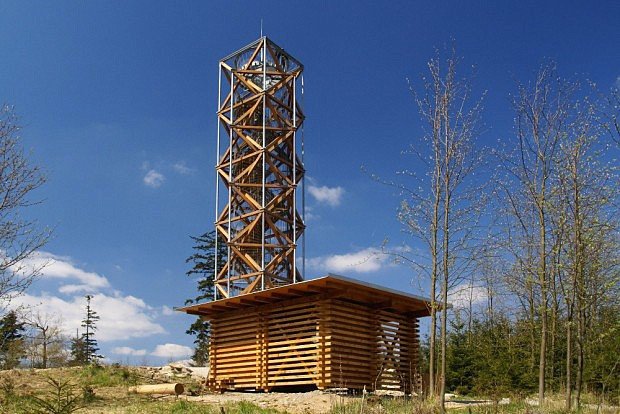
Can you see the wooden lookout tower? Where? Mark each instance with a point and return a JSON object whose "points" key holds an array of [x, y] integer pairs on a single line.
{"points": [[258, 121], [270, 328]]}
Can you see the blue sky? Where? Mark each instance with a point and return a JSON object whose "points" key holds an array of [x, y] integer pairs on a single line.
{"points": [[118, 103]]}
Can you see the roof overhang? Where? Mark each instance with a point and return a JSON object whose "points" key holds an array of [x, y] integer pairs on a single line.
{"points": [[332, 286]]}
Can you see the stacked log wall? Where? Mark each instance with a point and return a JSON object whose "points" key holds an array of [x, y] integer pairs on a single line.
{"points": [[327, 343]]}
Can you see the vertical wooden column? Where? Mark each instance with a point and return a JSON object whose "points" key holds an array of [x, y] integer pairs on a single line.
{"points": [[416, 380], [265, 351], [374, 329], [379, 355], [212, 356], [321, 336], [258, 351], [405, 365], [262, 352]]}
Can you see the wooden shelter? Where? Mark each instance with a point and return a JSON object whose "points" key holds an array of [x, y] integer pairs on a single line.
{"points": [[330, 332]]}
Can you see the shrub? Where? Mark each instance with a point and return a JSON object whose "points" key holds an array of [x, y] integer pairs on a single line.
{"points": [[61, 399]]}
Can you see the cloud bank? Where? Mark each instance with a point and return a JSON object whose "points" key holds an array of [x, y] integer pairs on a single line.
{"points": [[172, 351], [125, 350], [461, 295], [122, 316], [366, 260]]}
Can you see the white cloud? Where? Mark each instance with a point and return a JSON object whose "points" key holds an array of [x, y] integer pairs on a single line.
{"points": [[182, 168], [366, 260], [331, 196], [69, 289], [167, 311], [125, 350], [121, 317], [153, 179], [460, 296], [58, 267], [172, 351], [309, 215]]}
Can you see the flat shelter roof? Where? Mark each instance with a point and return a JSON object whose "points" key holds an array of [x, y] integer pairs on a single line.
{"points": [[334, 286]]}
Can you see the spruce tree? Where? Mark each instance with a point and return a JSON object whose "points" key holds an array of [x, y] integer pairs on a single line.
{"points": [[78, 350], [203, 261], [11, 341], [460, 372], [88, 337]]}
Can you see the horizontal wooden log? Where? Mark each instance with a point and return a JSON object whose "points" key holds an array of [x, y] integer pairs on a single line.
{"points": [[164, 389]]}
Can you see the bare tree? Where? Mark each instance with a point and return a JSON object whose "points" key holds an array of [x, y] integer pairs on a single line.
{"points": [[541, 115], [461, 202], [437, 206], [44, 338], [19, 237], [589, 188], [420, 207]]}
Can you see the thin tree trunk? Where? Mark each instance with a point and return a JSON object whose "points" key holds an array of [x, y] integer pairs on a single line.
{"points": [[44, 352], [470, 317], [434, 253], [580, 357], [551, 357], [444, 326], [554, 327], [446, 253], [532, 316], [434, 235], [569, 362], [579, 275], [437, 191], [432, 352], [542, 277]]}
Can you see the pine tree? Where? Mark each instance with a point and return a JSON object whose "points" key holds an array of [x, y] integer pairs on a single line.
{"points": [[11, 341], [88, 337], [78, 350], [203, 261], [460, 371]]}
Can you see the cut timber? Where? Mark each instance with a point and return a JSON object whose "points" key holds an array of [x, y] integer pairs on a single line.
{"points": [[164, 389], [326, 333]]}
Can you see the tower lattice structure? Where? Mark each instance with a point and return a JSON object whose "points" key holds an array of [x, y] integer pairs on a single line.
{"points": [[258, 164]]}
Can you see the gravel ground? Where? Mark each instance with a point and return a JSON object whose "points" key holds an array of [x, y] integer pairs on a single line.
{"points": [[313, 402]]}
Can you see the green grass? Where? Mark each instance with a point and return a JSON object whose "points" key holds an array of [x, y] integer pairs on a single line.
{"points": [[514, 407], [171, 408], [107, 376], [374, 405], [103, 389], [414, 406], [185, 407]]}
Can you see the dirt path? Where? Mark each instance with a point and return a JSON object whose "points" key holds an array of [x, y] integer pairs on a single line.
{"points": [[313, 402]]}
